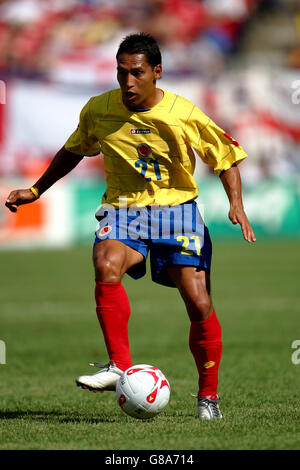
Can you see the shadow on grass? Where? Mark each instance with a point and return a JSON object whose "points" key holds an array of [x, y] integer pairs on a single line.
{"points": [[58, 417]]}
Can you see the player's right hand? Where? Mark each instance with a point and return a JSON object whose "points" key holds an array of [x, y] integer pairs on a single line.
{"points": [[18, 197]]}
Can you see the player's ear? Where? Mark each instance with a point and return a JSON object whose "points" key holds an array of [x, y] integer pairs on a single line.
{"points": [[157, 70]]}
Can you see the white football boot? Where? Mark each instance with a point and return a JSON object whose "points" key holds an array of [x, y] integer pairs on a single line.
{"points": [[105, 379], [209, 409]]}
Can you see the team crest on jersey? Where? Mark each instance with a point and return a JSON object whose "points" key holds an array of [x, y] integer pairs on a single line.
{"points": [[233, 141], [140, 131], [105, 230], [144, 150]]}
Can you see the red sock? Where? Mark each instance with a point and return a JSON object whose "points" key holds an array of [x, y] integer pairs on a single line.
{"points": [[113, 312], [206, 347]]}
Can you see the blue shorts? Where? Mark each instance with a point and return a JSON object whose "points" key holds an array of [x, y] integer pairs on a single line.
{"points": [[173, 235]]}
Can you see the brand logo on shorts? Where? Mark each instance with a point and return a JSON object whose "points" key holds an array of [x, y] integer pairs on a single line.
{"points": [[140, 131], [105, 230], [144, 150]]}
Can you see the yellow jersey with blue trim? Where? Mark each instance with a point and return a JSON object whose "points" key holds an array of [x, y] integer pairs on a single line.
{"points": [[149, 154]]}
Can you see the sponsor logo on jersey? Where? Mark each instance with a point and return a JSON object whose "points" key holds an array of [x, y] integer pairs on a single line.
{"points": [[140, 131], [233, 141], [105, 230], [144, 150], [209, 364]]}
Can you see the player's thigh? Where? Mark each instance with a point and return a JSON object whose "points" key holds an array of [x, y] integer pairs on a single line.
{"points": [[194, 287], [112, 259]]}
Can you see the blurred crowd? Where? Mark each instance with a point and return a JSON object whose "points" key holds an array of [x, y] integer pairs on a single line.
{"points": [[204, 44], [37, 35]]}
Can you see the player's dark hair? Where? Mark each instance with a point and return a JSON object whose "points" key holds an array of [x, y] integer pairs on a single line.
{"points": [[141, 43]]}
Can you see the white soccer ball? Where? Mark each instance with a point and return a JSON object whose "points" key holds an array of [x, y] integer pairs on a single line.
{"points": [[143, 391]]}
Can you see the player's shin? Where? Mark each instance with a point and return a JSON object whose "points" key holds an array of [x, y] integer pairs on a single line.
{"points": [[206, 346], [113, 312]]}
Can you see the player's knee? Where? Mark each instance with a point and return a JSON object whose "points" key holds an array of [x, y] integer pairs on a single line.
{"points": [[199, 308], [107, 268]]}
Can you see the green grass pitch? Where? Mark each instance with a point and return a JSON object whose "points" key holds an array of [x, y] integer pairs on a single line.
{"points": [[49, 326]]}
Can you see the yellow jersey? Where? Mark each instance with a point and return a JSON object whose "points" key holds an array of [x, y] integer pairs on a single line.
{"points": [[148, 154]]}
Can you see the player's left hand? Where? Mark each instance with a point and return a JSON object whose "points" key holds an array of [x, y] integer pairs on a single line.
{"points": [[237, 215]]}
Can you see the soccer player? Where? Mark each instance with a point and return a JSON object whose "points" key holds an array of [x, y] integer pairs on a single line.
{"points": [[147, 136]]}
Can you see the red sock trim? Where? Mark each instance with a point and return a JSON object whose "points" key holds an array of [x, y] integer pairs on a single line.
{"points": [[108, 284]]}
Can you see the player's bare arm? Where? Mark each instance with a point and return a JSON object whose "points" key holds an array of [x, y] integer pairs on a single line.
{"points": [[63, 162], [231, 180]]}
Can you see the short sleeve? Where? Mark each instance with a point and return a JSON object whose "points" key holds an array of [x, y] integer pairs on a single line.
{"points": [[213, 145], [83, 140]]}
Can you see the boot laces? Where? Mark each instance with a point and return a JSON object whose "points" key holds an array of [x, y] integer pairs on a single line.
{"points": [[102, 366]]}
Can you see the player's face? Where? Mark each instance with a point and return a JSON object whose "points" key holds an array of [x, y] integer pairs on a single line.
{"points": [[137, 80]]}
